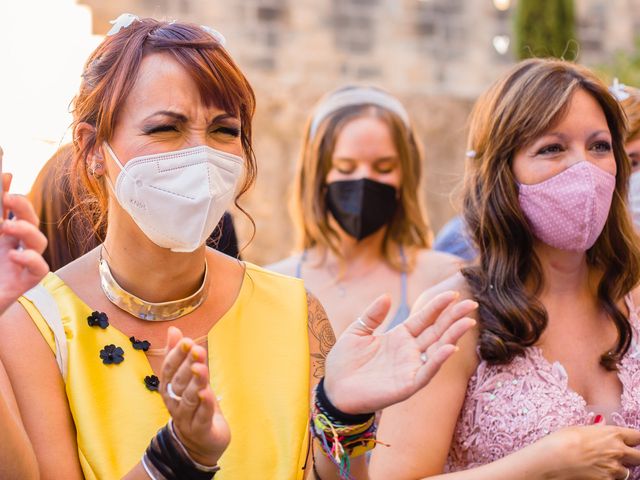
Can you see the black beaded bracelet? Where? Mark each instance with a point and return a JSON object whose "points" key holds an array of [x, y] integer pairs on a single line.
{"points": [[167, 459], [333, 413]]}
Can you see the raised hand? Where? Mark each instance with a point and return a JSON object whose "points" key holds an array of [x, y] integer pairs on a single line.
{"points": [[196, 413], [366, 372], [21, 247]]}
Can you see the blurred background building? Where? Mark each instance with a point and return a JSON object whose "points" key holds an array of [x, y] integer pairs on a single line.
{"points": [[435, 55]]}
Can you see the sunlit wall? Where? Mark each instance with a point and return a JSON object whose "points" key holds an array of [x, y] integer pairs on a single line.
{"points": [[43, 46]]}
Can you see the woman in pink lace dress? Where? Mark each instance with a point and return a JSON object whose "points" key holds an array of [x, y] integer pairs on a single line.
{"points": [[548, 385]]}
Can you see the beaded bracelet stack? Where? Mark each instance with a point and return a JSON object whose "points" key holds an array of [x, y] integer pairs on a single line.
{"points": [[167, 458], [341, 435]]}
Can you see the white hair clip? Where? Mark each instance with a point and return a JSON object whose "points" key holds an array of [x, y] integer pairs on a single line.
{"points": [[215, 34], [618, 90], [470, 154], [123, 21]]}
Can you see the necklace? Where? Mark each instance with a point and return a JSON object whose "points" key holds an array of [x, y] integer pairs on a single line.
{"points": [[155, 312]]}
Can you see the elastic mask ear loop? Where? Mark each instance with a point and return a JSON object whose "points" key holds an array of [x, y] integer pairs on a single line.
{"points": [[122, 169]]}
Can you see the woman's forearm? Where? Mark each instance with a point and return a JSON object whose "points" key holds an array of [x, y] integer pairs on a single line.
{"points": [[17, 459], [530, 463]]}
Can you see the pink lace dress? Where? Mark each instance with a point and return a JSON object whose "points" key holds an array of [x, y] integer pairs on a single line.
{"points": [[508, 407]]}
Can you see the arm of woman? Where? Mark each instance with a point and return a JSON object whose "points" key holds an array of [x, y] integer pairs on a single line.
{"points": [[40, 394], [321, 341], [420, 429], [17, 459]]}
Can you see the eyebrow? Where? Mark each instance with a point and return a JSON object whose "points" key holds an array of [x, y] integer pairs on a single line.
{"points": [[180, 117], [563, 137], [390, 158]]}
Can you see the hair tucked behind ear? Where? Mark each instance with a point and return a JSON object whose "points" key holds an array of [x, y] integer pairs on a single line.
{"points": [[515, 111]]}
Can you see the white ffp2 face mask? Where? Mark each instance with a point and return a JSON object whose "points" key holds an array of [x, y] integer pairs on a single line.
{"points": [[177, 198], [634, 198]]}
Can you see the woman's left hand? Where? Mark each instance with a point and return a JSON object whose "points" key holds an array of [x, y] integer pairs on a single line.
{"points": [[366, 372]]}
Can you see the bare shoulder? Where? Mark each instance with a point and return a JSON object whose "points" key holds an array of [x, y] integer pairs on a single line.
{"points": [[287, 266], [433, 267], [321, 336], [455, 282]]}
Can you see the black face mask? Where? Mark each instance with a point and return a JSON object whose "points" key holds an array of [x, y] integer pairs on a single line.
{"points": [[361, 207]]}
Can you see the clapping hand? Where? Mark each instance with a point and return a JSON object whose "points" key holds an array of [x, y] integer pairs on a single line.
{"points": [[366, 372], [186, 392], [21, 247]]}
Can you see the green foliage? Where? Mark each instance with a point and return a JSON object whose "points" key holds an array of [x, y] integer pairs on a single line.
{"points": [[545, 28], [625, 66]]}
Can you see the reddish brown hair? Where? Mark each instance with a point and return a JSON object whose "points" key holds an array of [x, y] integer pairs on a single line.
{"points": [[70, 236], [110, 74]]}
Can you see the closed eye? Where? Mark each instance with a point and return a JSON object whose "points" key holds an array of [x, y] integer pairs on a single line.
{"points": [[232, 131], [160, 129]]}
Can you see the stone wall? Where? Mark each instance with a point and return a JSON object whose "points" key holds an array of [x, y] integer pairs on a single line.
{"points": [[435, 55]]}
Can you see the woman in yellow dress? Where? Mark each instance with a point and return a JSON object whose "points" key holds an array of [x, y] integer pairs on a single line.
{"points": [[162, 136]]}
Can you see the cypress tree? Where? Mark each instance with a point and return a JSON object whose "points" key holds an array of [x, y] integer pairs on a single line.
{"points": [[544, 28]]}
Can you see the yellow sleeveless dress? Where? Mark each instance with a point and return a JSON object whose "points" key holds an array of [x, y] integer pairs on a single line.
{"points": [[259, 364]]}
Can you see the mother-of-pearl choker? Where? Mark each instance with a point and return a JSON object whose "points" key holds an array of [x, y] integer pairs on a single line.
{"points": [[155, 312]]}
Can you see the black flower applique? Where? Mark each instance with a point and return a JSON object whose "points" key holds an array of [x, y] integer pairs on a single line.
{"points": [[98, 319], [152, 382], [111, 354], [139, 344]]}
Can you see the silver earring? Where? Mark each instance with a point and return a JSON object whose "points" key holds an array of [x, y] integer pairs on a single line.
{"points": [[92, 170]]}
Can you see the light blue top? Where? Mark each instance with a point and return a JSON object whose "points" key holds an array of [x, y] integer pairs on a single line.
{"points": [[453, 238]]}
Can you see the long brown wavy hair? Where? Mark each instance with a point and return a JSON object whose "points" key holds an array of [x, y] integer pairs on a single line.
{"points": [[408, 228], [109, 75], [515, 111]]}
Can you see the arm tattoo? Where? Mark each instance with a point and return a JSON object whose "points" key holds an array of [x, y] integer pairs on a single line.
{"points": [[321, 330]]}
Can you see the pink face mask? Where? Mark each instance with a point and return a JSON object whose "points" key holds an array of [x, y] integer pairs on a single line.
{"points": [[568, 211]]}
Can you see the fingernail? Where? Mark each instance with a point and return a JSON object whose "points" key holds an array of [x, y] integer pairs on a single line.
{"points": [[598, 418], [195, 372], [195, 355], [185, 347]]}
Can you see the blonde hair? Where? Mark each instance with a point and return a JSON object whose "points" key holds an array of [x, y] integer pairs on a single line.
{"points": [[408, 228], [631, 107]]}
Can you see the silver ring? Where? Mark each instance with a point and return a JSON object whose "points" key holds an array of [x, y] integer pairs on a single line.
{"points": [[173, 395], [367, 328], [424, 357], [627, 475]]}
